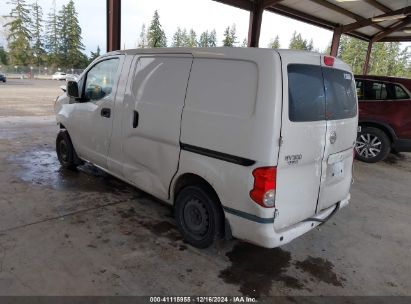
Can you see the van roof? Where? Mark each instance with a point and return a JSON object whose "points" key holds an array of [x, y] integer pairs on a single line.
{"points": [[222, 52], [207, 52]]}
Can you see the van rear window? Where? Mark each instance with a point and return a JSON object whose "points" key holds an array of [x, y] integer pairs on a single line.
{"points": [[306, 93], [341, 102], [317, 93]]}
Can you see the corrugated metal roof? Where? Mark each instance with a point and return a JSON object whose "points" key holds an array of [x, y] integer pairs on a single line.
{"points": [[354, 17]]}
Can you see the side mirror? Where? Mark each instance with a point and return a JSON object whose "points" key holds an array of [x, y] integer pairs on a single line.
{"points": [[72, 89]]}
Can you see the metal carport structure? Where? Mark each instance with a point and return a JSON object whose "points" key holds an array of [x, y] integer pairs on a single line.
{"points": [[368, 20]]}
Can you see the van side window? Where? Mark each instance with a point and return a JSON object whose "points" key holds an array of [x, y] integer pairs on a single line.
{"points": [[100, 79], [306, 93]]}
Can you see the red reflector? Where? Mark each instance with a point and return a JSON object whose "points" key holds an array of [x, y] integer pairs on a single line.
{"points": [[264, 180], [328, 60]]}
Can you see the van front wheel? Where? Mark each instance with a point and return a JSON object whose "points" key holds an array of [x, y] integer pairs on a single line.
{"points": [[199, 216]]}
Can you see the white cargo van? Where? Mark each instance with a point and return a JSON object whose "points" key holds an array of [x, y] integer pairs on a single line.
{"points": [[253, 143]]}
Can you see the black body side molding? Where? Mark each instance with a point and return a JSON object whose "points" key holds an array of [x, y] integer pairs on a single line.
{"points": [[218, 155]]}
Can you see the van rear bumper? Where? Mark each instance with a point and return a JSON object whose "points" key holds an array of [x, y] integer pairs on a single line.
{"points": [[263, 234]]}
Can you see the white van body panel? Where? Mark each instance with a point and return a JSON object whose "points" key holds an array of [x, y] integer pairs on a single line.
{"points": [[156, 92], [218, 113]]}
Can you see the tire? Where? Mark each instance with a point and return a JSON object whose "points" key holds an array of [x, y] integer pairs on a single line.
{"points": [[66, 154], [372, 145], [199, 216]]}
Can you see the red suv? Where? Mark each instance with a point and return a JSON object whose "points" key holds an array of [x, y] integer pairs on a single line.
{"points": [[384, 116]]}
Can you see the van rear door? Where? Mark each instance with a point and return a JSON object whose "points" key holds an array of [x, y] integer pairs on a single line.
{"points": [[341, 114], [303, 133]]}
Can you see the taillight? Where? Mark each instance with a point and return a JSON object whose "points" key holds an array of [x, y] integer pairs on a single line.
{"points": [[263, 192], [329, 60]]}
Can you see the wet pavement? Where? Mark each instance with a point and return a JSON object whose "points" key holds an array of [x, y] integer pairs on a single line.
{"points": [[85, 232]]}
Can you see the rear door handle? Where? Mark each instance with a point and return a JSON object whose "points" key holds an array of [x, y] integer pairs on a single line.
{"points": [[135, 119], [106, 112]]}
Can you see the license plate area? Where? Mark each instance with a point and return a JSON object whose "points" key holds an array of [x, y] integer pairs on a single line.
{"points": [[337, 169]]}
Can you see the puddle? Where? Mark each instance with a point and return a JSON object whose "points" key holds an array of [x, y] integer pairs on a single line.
{"points": [[43, 168], [255, 269], [320, 269]]}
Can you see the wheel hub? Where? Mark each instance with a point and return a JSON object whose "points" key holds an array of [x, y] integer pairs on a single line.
{"points": [[196, 217], [368, 145]]}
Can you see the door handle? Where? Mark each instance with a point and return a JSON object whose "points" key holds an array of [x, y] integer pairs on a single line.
{"points": [[135, 119], [106, 112]]}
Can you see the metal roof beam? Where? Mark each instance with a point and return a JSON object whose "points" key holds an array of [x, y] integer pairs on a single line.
{"points": [[366, 22], [379, 5], [343, 11], [398, 26], [243, 4], [268, 3], [395, 39]]}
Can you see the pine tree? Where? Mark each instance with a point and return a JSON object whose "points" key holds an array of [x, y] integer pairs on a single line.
{"points": [[37, 31], [297, 42], [274, 43], [156, 36], [230, 36], [96, 54], [142, 42], [212, 39], [192, 39], [204, 39], [4, 60], [178, 39], [245, 43], [19, 33], [52, 35]]}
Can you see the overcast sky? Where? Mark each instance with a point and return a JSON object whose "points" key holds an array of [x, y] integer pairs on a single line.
{"points": [[200, 15]]}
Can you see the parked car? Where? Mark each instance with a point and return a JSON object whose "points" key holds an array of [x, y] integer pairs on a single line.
{"points": [[72, 77], [237, 140], [3, 77], [59, 76], [384, 116]]}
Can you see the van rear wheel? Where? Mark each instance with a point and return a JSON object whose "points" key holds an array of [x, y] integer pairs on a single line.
{"points": [[66, 154], [199, 216], [372, 145]]}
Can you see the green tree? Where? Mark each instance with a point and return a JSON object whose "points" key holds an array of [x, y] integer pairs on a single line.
{"points": [[37, 30], [245, 43], [298, 43], [52, 43], [178, 38], [353, 52], [274, 43], [71, 45], [204, 39], [212, 39], [96, 54], [19, 33], [142, 42], [156, 36], [230, 36], [191, 39], [3, 56]]}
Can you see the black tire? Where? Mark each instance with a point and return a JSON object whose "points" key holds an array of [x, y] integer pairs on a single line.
{"points": [[65, 151], [372, 145], [199, 216]]}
